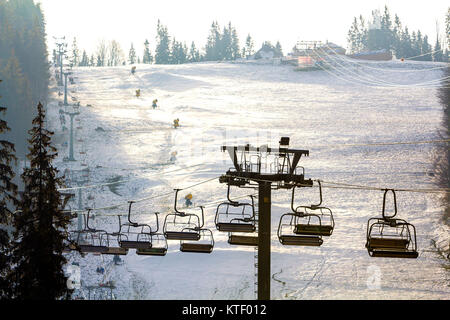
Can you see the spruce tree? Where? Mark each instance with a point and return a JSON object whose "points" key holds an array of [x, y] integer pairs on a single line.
{"points": [[147, 57], [194, 54], [40, 229], [249, 46], [438, 55], [75, 53], [8, 193], [132, 55], [162, 53], [84, 60]]}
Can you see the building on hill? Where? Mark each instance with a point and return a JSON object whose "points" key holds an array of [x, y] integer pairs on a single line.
{"points": [[311, 55]]}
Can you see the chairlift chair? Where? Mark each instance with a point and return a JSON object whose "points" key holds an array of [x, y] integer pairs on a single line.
{"points": [[300, 228], [389, 237], [181, 225], [112, 250], [233, 216], [326, 226], [204, 244], [159, 243], [135, 239], [89, 240]]}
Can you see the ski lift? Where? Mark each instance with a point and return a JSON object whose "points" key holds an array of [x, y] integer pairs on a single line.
{"points": [[116, 251], [326, 226], [300, 221], [89, 240], [181, 225], [204, 244], [159, 243], [135, 239], [233, 216], [389, 237]]}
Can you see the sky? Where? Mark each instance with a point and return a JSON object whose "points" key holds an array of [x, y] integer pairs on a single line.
{"points": [[133, 21]]}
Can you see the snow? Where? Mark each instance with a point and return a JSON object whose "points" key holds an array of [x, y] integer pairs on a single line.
{"points": [[228, 104]]}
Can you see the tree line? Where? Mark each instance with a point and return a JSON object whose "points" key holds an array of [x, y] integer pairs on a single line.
{"points": [[384, 32], [24, 66], [222, 43], [32, 224]]}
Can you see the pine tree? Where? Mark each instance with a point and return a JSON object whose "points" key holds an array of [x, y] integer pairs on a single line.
{"points": [[41, 226], [147, 57], [194, 54], [438, 55], [8, 193], [75, 53], [248, 49], [132, 55], [235, 49], [162, 53], [84, 60], [426, 48], [213, 43], [279, 49]]}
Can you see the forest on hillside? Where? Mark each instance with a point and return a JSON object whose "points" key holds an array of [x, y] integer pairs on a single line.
{"points": [[24, 67]]}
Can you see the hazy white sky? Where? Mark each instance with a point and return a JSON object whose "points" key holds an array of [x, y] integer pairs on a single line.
{"points": [[190, 20]]}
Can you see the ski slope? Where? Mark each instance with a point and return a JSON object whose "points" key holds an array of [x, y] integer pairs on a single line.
{"points": [[229, 104]]}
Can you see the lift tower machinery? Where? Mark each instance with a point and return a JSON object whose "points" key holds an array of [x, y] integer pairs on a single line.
{"points": [[266, 169]]}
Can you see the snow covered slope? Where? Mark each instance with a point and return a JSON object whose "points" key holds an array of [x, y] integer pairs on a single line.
{"points": [[220, 103]]}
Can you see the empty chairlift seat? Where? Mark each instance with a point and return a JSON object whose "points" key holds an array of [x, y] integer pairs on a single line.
{"points": [[181, 225], [204, 245], [135, 235], [159, 247], [289, 223], [391, 238], [311, 225], [234, 216]]}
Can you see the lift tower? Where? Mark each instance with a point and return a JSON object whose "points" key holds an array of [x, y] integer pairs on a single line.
{"points": [[266, 169]]}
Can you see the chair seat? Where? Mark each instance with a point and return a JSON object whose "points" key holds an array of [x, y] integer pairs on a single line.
{"points": [[152, 252], [172, 235], [393, 253], [311, 229], [116, 251], [135, 244], [387, 243], [92, 249], [243, 240], [236, 227], [301, 241], [196, 248]]}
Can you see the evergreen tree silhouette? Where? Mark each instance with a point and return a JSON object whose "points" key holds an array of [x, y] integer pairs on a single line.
{"points": [[41, 227], [8, 193]]}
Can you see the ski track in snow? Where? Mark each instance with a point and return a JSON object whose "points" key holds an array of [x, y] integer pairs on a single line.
{"points": [[224, 103]]}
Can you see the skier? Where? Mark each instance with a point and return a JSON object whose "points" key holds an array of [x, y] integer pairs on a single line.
{"points": [[138, 93], [154, 105], [133, 70], [176, 123], [173, 156], [188, 199]]}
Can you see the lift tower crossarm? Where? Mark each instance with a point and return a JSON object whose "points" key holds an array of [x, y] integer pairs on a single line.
{"points": [[283, 176]]}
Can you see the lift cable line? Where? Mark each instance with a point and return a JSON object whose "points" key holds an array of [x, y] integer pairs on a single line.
{"points": [[341, 185], [121, 204], [374, 81], [122, 181], [384, 69], [369, 78], [340, 74]]}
